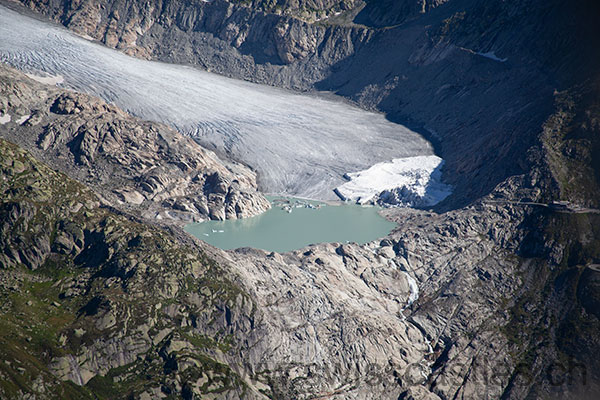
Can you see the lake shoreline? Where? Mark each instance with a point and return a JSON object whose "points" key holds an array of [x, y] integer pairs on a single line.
{"points": [[295, 223]]}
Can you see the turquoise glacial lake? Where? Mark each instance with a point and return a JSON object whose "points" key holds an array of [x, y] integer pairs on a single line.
{"points": [[292, 224]]}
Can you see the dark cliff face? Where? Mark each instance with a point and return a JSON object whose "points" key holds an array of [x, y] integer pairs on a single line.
{"points": [[382, 13], [475, 77], [479, 77], [554, 320]]}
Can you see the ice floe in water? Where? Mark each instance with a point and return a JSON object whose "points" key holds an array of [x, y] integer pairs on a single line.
{"points": [[409, 181]]}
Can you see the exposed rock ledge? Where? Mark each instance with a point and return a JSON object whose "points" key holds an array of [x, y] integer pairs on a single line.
{"points": [[140, 166]]}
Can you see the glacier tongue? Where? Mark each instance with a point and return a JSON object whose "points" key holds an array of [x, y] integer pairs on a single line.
{"points": [[408, 181], [298, 144]]}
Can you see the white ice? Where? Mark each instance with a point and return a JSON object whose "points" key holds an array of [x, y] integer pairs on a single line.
{"points": [[409, 181], [22, 119], [48, 80], [492, 56], [299, 144], [414, 290]]}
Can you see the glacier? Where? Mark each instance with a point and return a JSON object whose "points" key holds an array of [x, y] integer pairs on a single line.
{"points": [[299, 144], [409, 181]]}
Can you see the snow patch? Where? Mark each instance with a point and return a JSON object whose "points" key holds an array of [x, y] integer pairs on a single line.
{"points": [[492, 56], [23, 119], [48, 79], [4, 119], [414, 290], [85, 35], [409, 181]]}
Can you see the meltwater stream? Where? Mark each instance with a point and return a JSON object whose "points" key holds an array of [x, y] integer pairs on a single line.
{"points": [[299, 144]]}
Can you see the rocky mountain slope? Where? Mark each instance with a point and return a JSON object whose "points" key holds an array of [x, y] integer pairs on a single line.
{"points": [[95, 298], [507, 303], [142, 166], [75, 274], [343, 321], [461, 304]]}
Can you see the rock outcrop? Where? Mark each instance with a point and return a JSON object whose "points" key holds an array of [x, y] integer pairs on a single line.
{"points": [[100, 300], [132, 164], [445, 306]]}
